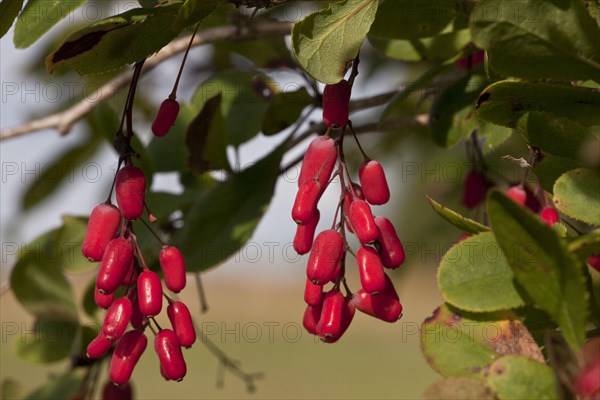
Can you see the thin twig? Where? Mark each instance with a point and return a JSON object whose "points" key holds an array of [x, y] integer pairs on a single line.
{"points": [[201, 293]]}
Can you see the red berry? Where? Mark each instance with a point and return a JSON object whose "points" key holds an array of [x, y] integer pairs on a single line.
{"points": [[182, 323], [305, 205], [347, 316], [113, 392], [305, 234], [117, 318], [363, 222], [374, 184], [474, 189], [389, 289], [392, 252], [471, 60], [169, 353], [167, 114], [349, 197], [324, 257], [115, 263], [102, 226], [330, 321], [127, 353], [173, 268], [336, 99], [594, 261], [517, 194], [98, 347], [370, 268], [130, 276], [137, 321], [150, 293], [164, 373], [549, 215], [103, 300], [313, 294], [319, 161], [312, 314], [587, 382], [131, 192], [382, 306]]}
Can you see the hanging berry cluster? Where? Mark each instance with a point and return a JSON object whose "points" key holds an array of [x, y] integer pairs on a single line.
{"points": [[329, 312]]}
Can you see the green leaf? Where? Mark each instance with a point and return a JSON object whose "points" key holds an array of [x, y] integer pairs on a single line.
{"points": [[284, 110], [48, 342], [586, 245], [534, 39], [517, 377], [407, 19], [505, 102], [326, 41], [65, 386], [38, 17], [243, 102], [576, 195], [69, 238], [475, 276], [224, 215], [542, 265], [465, 224], [551, 168], [116, 41], [194, 11], [9, 9], [88, 304], [206, 139], [266, 52], [458, 388]]}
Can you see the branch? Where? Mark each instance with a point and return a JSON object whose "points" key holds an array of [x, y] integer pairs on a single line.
{"points": [[63, 121]]}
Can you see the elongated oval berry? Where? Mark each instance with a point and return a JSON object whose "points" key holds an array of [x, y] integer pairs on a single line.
{"points": [[336, 101], [330, 322], [549, 215], [370, 268], [102, 227], [305, 205], [381, 306], [117, 318], [347, 316], [305, 234], [349, 197], [319, 161], [587, 382], [114, 266], [363, 222], [131, 275], [173, 268], [126, 355], [113, 392], [474, 189], [594, 261], [313, 294], [389, 289], [103, 300], [392, 252], [150, 294], [169, 354], [310, 321], [324, 257], [165, 118], [131, 192], [98, 346], [182, 323], [517, 194], [373, 182], [137, 321], [164, 373]]}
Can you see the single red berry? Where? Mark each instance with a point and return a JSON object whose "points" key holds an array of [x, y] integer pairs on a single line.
{"points": [[313, 294], [594, 261], [131, 275], [305, 234], [347, 316], [312, 314], [587, 382], [336, 103], [471, 60], [137, 321], [349, 197], [117, 318], [549, 215], [474, 189], [169, 354], [305, 205], [517, 194], [164, 373], [113, 392], [374, 184], [102, 227], [370, 268], [319, 161], [103, 300], [330, 321], [389, 289], [392, 252], [324, 257], [114, 266], [126, 355], [98, 346], [181, 321], [173, 268], [363, 222], [131, 192], [150, 295], [381, 306], [167, 114]]}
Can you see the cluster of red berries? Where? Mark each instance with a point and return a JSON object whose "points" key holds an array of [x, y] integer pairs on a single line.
{"points": [[110, 239], [329, 313]]}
